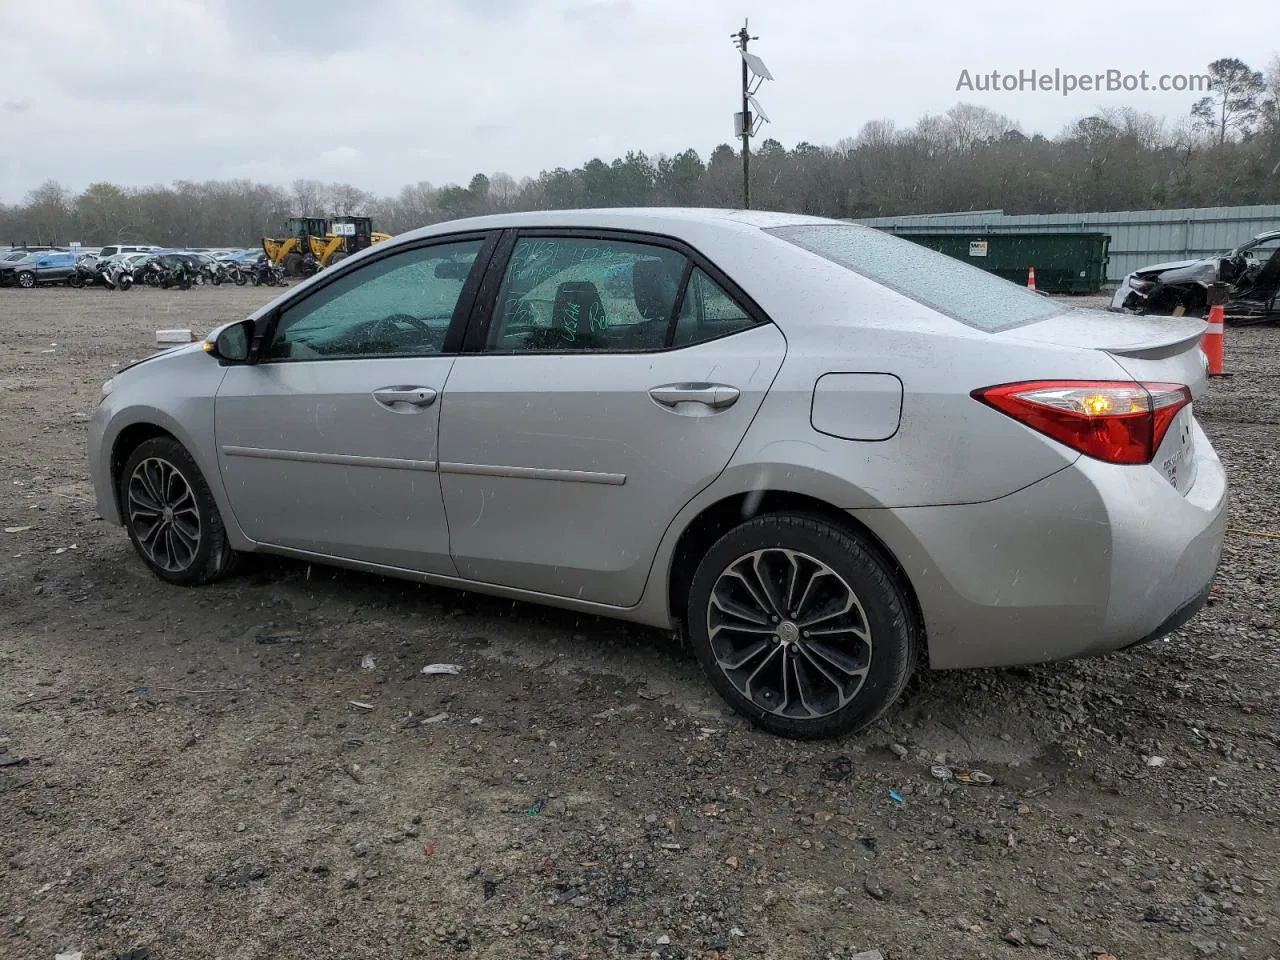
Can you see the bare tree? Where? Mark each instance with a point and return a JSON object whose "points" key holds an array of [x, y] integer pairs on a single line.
{"points": [[1233, 104]]}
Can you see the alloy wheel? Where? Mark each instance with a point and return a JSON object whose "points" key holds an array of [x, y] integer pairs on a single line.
{"points": [[164, 515], [789, 633]]}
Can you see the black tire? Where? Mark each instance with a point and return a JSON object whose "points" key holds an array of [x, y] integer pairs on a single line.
{"points": [[211, 557], [293, 265], [338, 257], [26, 280], [75, 280], [125, 282], [829, 559]]}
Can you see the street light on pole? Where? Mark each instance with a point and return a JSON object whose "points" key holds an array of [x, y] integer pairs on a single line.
{"points": [[746, 123]]}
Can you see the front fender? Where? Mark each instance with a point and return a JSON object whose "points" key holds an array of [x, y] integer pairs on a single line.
{"points": [[187, 386]]}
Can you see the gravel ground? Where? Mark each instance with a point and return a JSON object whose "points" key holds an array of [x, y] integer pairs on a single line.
{"points": [[183, 770]]}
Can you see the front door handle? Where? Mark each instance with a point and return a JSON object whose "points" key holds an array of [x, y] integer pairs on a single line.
{"points": [[717, 396], [416, 396]]}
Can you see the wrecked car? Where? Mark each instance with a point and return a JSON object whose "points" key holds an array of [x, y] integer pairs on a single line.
{"points": [[1176, 289]]}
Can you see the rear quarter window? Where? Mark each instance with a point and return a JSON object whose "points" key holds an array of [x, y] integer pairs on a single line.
{"points": [[950, 286]]}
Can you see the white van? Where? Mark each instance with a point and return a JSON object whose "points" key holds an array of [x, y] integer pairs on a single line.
{"points": [[113, 249]]}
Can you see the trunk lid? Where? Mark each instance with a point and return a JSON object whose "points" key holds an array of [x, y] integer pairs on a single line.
{"points": [[1148, 349]]}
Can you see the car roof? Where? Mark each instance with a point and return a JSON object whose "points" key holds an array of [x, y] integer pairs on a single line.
{"points": [[669, 220]]}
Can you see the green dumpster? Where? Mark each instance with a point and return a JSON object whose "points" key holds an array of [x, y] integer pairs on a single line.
{"points": [[1064, 262]]}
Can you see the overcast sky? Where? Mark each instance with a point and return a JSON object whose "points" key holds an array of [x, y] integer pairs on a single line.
{"points": [[380, 93]]}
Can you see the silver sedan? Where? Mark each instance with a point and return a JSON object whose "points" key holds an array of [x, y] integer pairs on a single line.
{"points": [[823, 452]]}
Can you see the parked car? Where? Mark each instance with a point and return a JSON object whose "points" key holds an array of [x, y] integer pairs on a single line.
{"points": [[14, 254], [1251, 270], [38, 268], [816, 448], [115, 248], [133, 262]]}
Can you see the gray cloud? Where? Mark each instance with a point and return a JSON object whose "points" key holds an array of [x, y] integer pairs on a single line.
{"points": [[381, 93]]}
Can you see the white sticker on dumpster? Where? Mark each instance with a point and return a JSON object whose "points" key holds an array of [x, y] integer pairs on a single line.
{"points": [[977, 248]]}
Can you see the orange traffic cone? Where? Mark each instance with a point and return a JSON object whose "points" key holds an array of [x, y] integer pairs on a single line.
{"points": [[1211, 340], [1031, 278]]}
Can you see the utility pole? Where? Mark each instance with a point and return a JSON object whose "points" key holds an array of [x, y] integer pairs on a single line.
{"points": [[743, 39], [746, 123]]}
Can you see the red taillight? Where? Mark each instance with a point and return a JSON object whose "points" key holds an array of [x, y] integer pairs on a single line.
{"points": [[1109, 420]]}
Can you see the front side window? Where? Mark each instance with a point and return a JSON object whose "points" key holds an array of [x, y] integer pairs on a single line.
{"points": [[400, 305]]}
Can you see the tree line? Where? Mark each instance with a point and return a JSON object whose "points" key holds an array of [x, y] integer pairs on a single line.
{"points": [[1225, 152]]}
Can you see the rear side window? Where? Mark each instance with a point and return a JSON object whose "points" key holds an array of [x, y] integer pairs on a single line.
{"points": [[943, 283], [582, 295], [707, 312]]}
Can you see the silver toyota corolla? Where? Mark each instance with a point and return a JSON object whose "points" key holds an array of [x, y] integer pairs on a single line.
{"points": [[820, 450]]}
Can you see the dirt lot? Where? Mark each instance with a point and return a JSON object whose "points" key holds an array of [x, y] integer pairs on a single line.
{"points": [[198, 783]]}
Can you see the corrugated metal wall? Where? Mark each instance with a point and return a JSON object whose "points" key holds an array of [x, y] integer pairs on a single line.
{"points": [[1138, 237]]}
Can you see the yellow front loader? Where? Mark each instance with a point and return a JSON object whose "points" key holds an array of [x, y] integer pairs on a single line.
{"points": [[289, 251], [346, 235]]}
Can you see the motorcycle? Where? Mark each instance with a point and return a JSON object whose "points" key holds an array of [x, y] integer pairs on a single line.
{"points": [[309, 266], [151, 273], [265, 273], [113, 276], [84, 274], [179, 275], [230, 271], [211, 272]]}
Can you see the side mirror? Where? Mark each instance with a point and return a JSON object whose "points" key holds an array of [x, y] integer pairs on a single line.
{"points": [[232, 343]]}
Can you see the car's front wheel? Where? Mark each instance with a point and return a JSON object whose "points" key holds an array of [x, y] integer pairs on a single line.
{"points": [[801, 626], [26, 280], [171, 516]]}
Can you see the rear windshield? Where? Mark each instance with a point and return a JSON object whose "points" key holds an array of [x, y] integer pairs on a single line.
{"points": [[943, 283]]}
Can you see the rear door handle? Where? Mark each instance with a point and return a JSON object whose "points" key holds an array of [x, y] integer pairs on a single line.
{"points": [[416, 396], [717, 396]]}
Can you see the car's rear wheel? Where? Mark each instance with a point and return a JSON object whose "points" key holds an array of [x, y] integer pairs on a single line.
{"points": [[801, 626], [26, 280], [171, 516]]}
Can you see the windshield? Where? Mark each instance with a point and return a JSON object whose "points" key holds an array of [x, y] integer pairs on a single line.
{"points": [[1260, 248], [953, 287]]}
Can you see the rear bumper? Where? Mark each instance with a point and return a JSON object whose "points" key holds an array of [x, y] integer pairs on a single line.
{"points": [[1092, 559], [1180, 617]]}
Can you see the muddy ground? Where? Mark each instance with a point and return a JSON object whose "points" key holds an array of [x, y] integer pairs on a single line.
{"points": [[194, 779]]}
